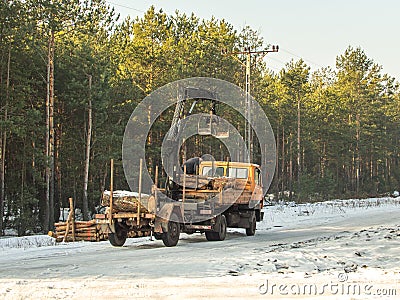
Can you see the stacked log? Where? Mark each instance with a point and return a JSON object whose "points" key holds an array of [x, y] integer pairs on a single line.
{"points": [[199, 182], [125, 201], [195, 182], [221, 183], [84, 231], [72, 231]]}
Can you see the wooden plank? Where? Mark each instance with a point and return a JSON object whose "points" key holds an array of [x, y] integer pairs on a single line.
{"points": [[77, 226], [124, 215], [68, 222], [77, 223], [72, 211], [99, 216]]}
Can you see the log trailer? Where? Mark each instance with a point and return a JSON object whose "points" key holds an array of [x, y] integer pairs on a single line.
{"points": [[223, 194]]}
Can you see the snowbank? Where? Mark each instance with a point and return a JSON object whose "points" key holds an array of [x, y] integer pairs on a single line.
{"points": [[27, 242], [291, 215]]}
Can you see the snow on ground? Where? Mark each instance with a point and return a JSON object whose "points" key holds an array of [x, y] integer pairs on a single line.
{"points": [[26, 242], [342, 249], [290, 215]]}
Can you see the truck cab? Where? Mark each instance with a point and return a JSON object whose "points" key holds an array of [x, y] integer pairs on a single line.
{"points": [[246, 173], [246, 209]]}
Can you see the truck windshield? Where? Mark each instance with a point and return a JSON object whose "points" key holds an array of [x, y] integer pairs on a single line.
{"points": [[240, 173], [208, 171]]}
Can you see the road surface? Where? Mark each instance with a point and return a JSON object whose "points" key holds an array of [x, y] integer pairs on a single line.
{"points": [[145, 268]]}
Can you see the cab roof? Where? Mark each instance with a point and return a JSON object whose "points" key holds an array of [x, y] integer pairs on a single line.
{"points": [[228, 163]]}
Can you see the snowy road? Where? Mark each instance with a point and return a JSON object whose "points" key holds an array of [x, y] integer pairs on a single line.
{"points": [[310, 241]]}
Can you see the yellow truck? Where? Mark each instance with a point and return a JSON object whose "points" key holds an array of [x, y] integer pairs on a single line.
{"points": [[220, 195], [206, 198], [232, 191]]}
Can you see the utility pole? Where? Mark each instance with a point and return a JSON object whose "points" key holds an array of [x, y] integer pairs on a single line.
{"points": [[248, 129]]}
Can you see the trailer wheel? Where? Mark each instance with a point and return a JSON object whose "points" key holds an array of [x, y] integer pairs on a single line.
{"points": [[171, 237], [252, 229], [219, 232], [118, 238]]}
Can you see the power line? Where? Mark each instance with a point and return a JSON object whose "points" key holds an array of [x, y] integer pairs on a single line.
{"points": [[310, 61], [124, 6], [277, 60], [248, 52], [284, 50]]}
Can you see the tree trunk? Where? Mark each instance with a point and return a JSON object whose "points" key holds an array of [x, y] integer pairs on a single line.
{"points": [[22, 207], [49, 144], [57, 164], [358, 159], [51, 150], [103, 181], [87, 161], [283, 163], [290, 166], [323, 163], [277, 175], [298, 149], [4, 146]]}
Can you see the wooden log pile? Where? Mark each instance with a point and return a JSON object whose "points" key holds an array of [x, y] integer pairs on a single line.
{"points": [[195, 182], [199, 182], [84, 231], [71, 230], [125, 201]]}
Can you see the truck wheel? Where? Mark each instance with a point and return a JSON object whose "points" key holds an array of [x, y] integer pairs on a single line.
{"points": [[118, 238], [252, 229], [171, 237], [219, 232]]}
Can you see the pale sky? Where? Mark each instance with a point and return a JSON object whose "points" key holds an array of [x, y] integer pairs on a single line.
{"points": [[316, 31]]}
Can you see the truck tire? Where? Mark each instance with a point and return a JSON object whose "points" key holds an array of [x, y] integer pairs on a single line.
{"points": [[219, 232], [118, 238], [171, 237], [253, 224]]}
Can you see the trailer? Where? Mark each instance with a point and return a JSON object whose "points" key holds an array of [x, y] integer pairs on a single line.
{"points": [[130, 212]]}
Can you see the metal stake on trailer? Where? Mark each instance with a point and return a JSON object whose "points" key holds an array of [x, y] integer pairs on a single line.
{"points": [[156, 184], [72, 211], [184, 184], [111, 190], [140, 192]]}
